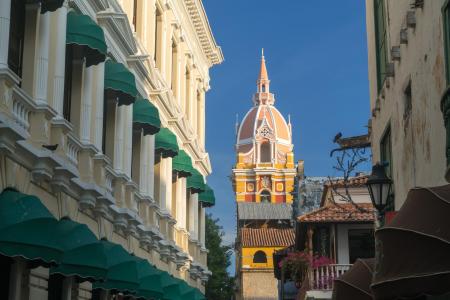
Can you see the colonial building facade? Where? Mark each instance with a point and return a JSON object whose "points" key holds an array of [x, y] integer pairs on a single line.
{"points": [[102, 119], [263, 180], [407, 55]]}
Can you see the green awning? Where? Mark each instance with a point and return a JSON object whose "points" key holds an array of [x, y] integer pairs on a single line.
{"points": [[199, 295], [122, 272], [182, 291], [188, 292], [120, 82], [166, 143], [26, 228], [173, 288], [182, 164], [207, 197], [196, 182], [150, 280], [83, 256], [146, 116], [50, 5], [84, 33], [193, 294]]}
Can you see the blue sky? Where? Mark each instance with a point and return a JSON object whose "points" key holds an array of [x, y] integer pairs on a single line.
{"points": [[316, 56]]}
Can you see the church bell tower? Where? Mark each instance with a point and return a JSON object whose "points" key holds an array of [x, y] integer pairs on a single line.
{"points": [[263, 179]]}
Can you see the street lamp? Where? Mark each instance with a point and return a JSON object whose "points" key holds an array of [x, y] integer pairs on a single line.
{"points": [[379, 186]]}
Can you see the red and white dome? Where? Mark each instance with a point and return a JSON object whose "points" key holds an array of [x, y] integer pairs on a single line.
{"points": [[263, 123]]}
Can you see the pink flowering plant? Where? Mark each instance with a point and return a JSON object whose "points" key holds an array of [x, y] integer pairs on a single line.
{"points": [[296, 264]]}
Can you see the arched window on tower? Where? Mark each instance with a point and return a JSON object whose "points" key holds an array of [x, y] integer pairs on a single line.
{"points": [[265, 153], [260, 257], [265, 196], [263, 88]]}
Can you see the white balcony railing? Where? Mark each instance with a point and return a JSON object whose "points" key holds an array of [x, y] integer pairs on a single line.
{"points": [[322, 278]]}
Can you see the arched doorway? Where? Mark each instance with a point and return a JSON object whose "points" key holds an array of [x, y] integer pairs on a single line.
{"points": [[265, 196]]}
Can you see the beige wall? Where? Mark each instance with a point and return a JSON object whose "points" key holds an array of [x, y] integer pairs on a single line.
{"points": [[418, 142], [259, 285]]}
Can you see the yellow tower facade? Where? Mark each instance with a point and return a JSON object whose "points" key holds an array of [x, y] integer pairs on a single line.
{"points": [[263, 179]]}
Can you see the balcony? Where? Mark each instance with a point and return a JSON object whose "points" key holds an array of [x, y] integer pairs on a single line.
{"points": [[322, 278], [320, 281]]}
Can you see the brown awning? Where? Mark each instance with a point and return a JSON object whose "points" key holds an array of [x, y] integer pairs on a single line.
{"points": [[355, 283], [413, 251]]}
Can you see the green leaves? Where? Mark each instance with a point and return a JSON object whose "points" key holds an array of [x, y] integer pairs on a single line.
{"points": [[221, 285]]}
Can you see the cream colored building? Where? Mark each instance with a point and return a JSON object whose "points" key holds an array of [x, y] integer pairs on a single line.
{"points": [[408, 85], [105, 171]]}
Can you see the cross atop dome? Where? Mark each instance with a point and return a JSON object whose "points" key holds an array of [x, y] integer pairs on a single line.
{"points": [[263, 95]]}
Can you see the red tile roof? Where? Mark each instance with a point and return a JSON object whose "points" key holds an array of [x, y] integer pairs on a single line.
{"points": [[269, 237], [340, 213], [352, 182]]}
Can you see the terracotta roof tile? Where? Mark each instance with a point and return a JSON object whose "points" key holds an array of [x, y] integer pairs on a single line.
{"points": [[270, 237], [351, 183], [340, 213]]}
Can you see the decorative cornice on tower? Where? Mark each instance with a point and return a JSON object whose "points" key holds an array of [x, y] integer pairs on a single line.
{"points": [[263, 95]]}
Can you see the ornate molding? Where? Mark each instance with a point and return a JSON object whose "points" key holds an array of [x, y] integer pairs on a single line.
{"points": [[205, 37]]}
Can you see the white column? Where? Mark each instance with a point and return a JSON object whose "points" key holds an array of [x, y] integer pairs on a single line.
{"points": [[128, 139], [190, 215], [192, 99], [202, 226], [193, 216], [196, 215], [99, 79], [16, 277], [179, 200], [183, 202], [178, 73], [182, 77], [165, 189], [202, 118], [151, 23], [194, 119], [86, 105], [5, 15], [41, 70], [151, 163], [168, 42], [144, 167], [143, 30], [59, 24], [118, 139], [168, 176], [162, 44]]}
